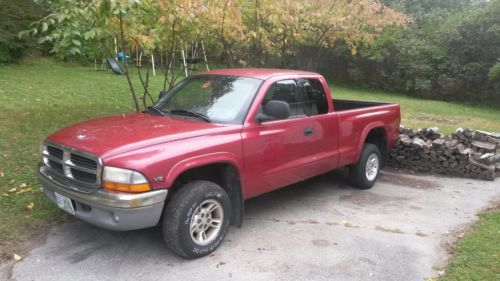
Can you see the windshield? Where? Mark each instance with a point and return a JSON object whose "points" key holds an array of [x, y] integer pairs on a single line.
{"points": [[218, 98]]}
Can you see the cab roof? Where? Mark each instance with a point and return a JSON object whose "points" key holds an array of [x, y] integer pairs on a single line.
{"points": [[259, 73]]}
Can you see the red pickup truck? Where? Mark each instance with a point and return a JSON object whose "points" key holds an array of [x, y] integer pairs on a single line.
{"points": [[216, 139]]}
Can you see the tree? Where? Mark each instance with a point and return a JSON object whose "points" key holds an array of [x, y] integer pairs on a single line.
{"points": [[354, 23], [447, 52], [258, 32], [74, 24], [15, 16]]}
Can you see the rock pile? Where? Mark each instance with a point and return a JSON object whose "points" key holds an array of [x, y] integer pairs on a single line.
{"points": [[464, 154]]}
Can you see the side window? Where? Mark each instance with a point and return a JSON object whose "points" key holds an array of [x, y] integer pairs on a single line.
{"points": [[288, 92], [315, 101]]}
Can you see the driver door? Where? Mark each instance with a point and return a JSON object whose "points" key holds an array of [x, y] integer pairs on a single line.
{"points": [[279, 152]]}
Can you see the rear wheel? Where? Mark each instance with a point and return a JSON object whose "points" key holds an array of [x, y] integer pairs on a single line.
{"points": [[196, 219], [364, 173]]}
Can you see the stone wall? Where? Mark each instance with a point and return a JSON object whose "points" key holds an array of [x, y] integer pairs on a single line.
{"points": [[467, 153]]}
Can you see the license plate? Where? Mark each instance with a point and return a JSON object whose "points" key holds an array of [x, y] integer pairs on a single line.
{"points": [[64, 203]]}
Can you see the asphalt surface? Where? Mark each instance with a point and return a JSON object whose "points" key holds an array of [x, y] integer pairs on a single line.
{"points": [[320, 229]]}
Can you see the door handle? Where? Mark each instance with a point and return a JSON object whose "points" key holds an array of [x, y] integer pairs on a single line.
{"points": [[308, 132]]}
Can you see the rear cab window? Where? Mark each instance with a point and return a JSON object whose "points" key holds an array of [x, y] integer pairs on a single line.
{"points": [[306, 96], [314, 97]]}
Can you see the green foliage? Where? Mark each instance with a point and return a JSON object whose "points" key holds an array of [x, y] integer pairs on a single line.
{"points": [[15, 16], [447, 53], [494, 73], [246, 32], [428, 10], [445, 49]]}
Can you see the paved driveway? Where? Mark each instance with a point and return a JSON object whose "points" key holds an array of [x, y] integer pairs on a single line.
{"points": [[320, 229]]}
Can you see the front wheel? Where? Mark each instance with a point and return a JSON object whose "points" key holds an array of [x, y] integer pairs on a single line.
{"points": [[364, 173], [196, 219]]}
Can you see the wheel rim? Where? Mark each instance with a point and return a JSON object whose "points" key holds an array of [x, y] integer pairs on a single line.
{"points": [[206, 222], [372, 165]]}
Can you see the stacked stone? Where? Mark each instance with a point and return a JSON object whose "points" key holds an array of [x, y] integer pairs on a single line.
{"points": [[465, 154]]}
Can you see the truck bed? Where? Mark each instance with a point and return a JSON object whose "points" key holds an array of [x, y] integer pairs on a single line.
{"points": [[357, 117], [340, 105]]}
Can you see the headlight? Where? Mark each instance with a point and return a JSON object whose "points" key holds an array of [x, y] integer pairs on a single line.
{"points": [[124, 180]]}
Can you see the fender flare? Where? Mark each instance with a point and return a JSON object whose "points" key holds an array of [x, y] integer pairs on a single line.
{"points": [[237, 200], [364, 135], [202, 160]]}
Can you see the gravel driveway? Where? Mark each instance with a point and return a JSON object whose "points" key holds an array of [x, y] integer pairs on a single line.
{"points": [[320, 229]]}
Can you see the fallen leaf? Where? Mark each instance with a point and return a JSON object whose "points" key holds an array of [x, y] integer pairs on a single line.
{"points": [[13, 189], [22, 185], [6, 195], [30, 205], [2, 174], [17, 257], [24, 190]]}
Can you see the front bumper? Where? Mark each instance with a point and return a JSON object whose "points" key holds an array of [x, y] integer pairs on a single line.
{"points": [[106, 209]]}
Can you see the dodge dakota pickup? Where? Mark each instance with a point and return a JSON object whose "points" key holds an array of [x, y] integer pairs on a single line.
{"points": [[216, 139]]}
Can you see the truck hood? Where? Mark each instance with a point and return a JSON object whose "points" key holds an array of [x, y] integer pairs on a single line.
{"points": [[113, 135]]}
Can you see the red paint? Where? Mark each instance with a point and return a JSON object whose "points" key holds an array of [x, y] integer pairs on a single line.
{"points": [[267, 156]]}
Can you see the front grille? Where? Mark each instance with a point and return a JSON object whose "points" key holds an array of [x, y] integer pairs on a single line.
{"points": [[56, 152], [83, 176], [84, 162], [56, 166], [74, 164]]}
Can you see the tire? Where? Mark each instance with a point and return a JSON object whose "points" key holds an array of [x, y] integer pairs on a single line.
{"points": [[189, 209], [359, 176]]}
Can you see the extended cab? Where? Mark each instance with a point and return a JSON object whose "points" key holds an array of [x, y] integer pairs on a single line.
{"points": [[216, 139]]}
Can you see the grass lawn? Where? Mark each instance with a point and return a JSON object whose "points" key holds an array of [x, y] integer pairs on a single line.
{"points": [[477, 255], [420, 113], [36, 99], [40, 97]]}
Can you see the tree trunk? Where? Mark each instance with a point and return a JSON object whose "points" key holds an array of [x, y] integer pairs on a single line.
{"points": [[127, 74]]}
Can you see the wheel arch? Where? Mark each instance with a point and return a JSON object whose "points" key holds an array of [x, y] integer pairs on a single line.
{"points": [[219, 168], [375, 133]]}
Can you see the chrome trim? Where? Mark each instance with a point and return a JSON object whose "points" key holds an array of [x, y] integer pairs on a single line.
{"points": [[46, 154], [102, 196], [68, 164], [73, 166]]}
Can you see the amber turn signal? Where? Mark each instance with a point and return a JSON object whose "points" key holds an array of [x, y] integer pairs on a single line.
{"points": [[123, 187]]}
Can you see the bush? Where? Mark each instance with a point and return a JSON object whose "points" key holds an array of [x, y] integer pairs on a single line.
{"points": [[494, 73], [447, 53], [16, 16]]}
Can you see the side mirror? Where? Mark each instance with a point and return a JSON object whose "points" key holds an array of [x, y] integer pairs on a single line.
{"points": [[274, 110], [162, 94]]}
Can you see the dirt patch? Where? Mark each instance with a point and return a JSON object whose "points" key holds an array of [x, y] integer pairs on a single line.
{"points": [[364, 198], [494, 206], [320, 243], [405, 180], [387, 229]]}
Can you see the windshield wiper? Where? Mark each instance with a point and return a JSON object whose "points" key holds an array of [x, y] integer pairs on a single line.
{"points": [[156, 109], [191, 113]]}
